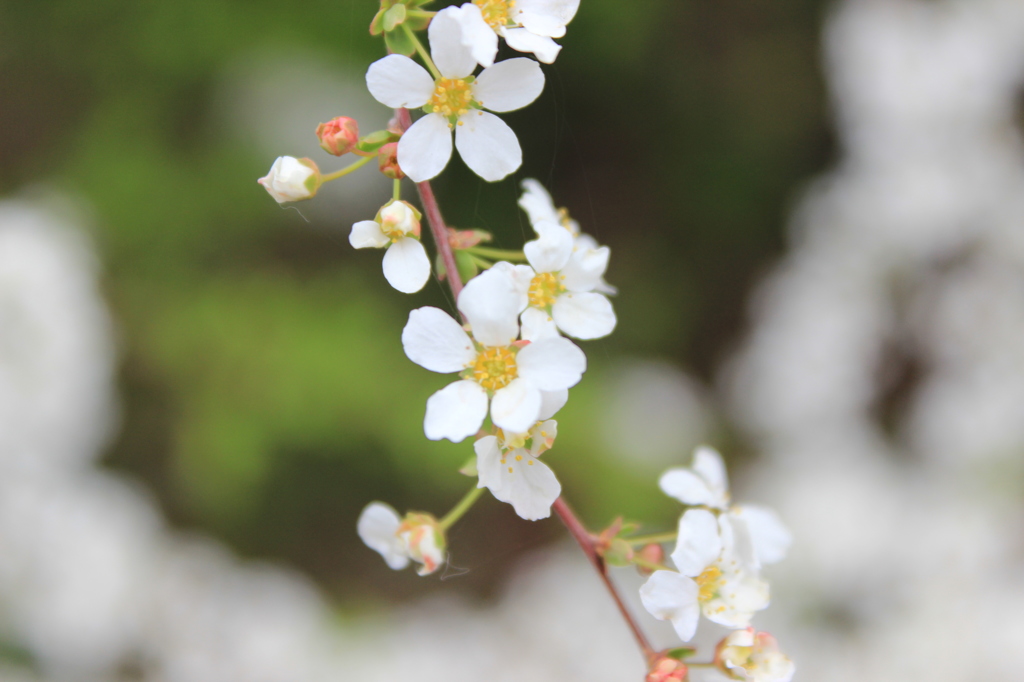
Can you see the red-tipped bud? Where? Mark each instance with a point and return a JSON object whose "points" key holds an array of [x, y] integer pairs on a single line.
{"points": [[667, 669], [387, 157], [465, 239], [650, 554], [338, 136]]}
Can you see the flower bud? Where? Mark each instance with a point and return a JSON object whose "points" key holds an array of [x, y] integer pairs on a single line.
{"points": [[399, 218], [424, 541], [387, 157], [753, 657], [338, 136], [465, 239], [651, 554], [667, 669], [291, 179]]}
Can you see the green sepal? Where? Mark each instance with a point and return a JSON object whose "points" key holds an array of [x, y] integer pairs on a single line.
{"points": [[417, 23], [629, 528], [469, 468], [369, 144], [394, 18], [468, 268], [619, 553], [399, 42], [680, 653]]}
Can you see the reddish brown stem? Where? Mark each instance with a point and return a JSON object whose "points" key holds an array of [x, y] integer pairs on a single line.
{"points": [[433, 212], [586, 542], [576, 529]]}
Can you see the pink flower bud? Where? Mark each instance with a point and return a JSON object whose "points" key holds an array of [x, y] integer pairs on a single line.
{"points": [[338, 136], [651, 554], [387, 157], [666, 669]]}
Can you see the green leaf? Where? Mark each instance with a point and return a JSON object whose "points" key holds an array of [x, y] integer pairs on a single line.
{"points": [[680, 653], [399, 43], [394, 17], [377, 25]]}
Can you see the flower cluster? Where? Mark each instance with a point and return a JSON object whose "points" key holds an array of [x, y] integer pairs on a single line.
{"points": [[719, 551], [508, 340]]}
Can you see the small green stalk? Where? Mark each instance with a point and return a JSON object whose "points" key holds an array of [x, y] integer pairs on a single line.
{"points": [[422, 50], [500, 254], [397, 193], [346, 170], [657, 538], [460, 509], [650, 565]]}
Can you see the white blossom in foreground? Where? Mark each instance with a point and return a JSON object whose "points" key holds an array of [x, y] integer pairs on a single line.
{"points": [[456, 100], [718, 577], [512, 376], [589, 260], [291, 179], [560, 296], [508, 465], [753, 657], [705, 483], [526, 25], [397, 226], [416, 537]]}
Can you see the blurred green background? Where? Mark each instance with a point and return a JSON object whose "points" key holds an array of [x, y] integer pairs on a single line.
{"points": [[266, 398]]}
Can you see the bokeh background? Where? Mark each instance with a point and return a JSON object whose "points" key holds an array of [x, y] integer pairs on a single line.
{"points": [[814, 210]]}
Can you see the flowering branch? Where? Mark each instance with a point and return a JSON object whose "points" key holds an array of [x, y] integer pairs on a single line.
{"points": [[434, 219], [586, 542]]}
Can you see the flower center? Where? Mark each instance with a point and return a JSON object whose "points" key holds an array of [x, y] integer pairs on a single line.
{"points": [[708, 582], [544, 289], [452, 97], [495, 368], [495, 11]]}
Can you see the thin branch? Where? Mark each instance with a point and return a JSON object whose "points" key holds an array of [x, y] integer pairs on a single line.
{"points": [[433, 212], [586, 543]]}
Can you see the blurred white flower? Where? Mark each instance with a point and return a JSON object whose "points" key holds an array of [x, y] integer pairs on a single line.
{"points": [[526, 25], [753, 657]]}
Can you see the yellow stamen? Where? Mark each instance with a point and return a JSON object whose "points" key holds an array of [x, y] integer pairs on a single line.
{"points": [[452, 97], [495, 11], [708, 582], [544, 289], [495, 368]]}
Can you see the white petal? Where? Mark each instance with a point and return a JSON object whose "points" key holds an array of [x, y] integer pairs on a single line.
{"points": [[522, 275], [425, 148], [687, 487], [551, 250], [585, 315], [516, 407], [584, 270], [557, 12], [406, 266], [398, 81], [377, 527], [509, 85], [490, 301], [533, 488], [477, 35], [537, 325], [488, 465], [698, 544], [551, 402], [522, 40], [542, 24], [452, 58], [367, 234], [770, 537], [487, 145], [668, 595], [456, 411], [435, 341], [552, 364], [537, 202], [709, 465]]}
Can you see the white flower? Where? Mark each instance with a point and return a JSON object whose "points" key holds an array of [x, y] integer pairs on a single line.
{"points": [[508, 466], [560, 296], [513, 377], [526, 25], [291, 179], [416, 537], [455, 100], [589, 260], [717, 577], [754, 657], [705, 484], [397, 226]]}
